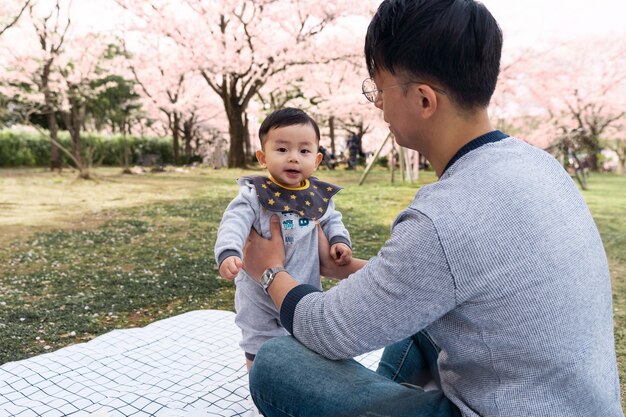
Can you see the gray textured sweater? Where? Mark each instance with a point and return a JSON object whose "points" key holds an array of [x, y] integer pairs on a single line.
{"points": [[501, 262]]}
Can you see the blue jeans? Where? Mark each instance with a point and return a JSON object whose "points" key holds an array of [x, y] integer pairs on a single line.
{"points": [[287, 379], [411, 361]]}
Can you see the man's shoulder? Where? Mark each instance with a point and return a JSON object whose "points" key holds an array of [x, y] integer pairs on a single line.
{"points": [[483, 174], [508, 156]]}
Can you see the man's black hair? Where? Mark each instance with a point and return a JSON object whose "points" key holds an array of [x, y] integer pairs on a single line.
{"points": [[287, 116], [455, 44]]}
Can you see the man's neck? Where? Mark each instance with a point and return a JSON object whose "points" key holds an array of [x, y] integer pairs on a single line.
{"points": [[452, 135]]}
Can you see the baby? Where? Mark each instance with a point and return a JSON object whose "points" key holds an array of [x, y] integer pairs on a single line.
{"points": [[289, 150]]}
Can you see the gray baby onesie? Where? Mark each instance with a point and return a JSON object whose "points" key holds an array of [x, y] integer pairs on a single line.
{"points": [[299, 210]]}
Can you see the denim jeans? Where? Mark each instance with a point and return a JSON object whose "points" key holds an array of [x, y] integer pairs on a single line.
{"points": [[411, 361], [287, 379]]}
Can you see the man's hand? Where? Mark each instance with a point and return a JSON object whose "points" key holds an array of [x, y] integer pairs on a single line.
{"points": [[260, 254], [230, 267], [327, 263], [341, 254]]}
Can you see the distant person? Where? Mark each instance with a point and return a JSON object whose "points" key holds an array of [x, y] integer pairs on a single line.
{"points": [[494, 283], [354, 151], [218, 154], [289, 141], [327, 158]]}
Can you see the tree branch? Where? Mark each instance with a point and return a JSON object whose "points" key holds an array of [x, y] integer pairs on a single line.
{"points": [[15, 19]]}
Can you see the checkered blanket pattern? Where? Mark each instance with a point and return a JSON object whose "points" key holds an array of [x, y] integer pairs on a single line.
{"points": [[188, 365]]}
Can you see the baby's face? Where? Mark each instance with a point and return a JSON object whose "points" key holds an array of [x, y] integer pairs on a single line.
{"points": [[290, 154]]}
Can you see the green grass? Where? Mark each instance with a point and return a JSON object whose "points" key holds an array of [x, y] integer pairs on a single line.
{"points": [[147, 262], [606, 198], [153, 261]]}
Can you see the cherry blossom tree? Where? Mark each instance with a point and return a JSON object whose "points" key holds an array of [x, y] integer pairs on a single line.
{"points": [[582, 88], [338, 102], [331, 91], [616, 141], [53, 71], [512, 108], [51, 27], [84, 61], [173, 92], [239, 46]]}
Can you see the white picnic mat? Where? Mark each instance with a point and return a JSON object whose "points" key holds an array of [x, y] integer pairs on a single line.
{"points": [[188, 365]]}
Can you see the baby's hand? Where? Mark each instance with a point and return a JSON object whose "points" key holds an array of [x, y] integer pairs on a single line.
{"points": [[230, 267], [341, 254]]}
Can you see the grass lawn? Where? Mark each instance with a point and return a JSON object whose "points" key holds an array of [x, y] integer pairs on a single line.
{"points": [[80, 258]]}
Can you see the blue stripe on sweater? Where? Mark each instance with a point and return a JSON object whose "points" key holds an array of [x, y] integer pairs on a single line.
{"points": [[490, 137], [288, 308]]}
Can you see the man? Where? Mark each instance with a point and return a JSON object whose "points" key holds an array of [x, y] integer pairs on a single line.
{"points": [[494, 282]]}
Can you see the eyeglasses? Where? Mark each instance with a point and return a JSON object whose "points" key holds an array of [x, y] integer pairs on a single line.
{"points": [[371, 90]]}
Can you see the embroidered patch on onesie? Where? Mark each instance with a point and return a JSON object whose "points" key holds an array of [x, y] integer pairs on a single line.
{"points": [[309, 201]]}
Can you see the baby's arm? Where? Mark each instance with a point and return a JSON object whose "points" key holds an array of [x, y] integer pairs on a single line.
{"points": [[233, 232], [338, 236], [341, 254], [230, 267]]}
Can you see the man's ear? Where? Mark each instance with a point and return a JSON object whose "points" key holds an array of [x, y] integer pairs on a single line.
{"points": [[318, 159], [260, 156], [427, 100]]}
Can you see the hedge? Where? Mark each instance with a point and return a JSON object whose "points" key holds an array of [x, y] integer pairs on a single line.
{"points": [[19, 148]]}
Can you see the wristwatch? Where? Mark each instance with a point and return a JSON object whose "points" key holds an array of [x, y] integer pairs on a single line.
{"points": [[268, 276]]}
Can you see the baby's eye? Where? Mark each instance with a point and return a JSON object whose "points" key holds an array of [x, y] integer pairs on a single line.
{"points": [[305, 151], [282, 149]]}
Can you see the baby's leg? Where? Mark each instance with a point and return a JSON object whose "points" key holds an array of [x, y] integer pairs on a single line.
{"points": [[256, 317], [249, 360]]}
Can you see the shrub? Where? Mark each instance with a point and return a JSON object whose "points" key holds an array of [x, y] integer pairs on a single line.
{"points": [[383, 161], [22, 148]]}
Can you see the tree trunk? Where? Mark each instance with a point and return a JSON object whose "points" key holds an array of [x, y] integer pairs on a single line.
{"points": [[83, 171], [591, 144], [237, 131], [76, 145], [55, 156], [74, 122], [176, 136], [246, 138], [331, 133], [188, 136], [197, 144], [621, 159], [74, 127], [593, 160]]}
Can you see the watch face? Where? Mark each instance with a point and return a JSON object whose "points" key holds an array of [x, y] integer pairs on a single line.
{"points": [[268, 276], [265, 278]]}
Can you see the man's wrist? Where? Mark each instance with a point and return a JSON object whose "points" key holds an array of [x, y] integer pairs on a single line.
{"points": [[268, 276], [276, 275]]}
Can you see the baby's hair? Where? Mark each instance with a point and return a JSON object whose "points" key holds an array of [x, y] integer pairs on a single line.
{"points": [[288, 116]]}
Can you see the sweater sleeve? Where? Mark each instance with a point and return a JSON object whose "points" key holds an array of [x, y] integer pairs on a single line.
{"points": [[404, 288], [235, 225], [333, 226]]}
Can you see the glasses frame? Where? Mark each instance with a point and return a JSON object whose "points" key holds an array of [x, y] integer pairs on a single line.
{"points": [[372, 95]]}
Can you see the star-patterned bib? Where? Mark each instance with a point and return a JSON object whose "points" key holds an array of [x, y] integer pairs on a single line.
{"points": [[309, 201]]}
